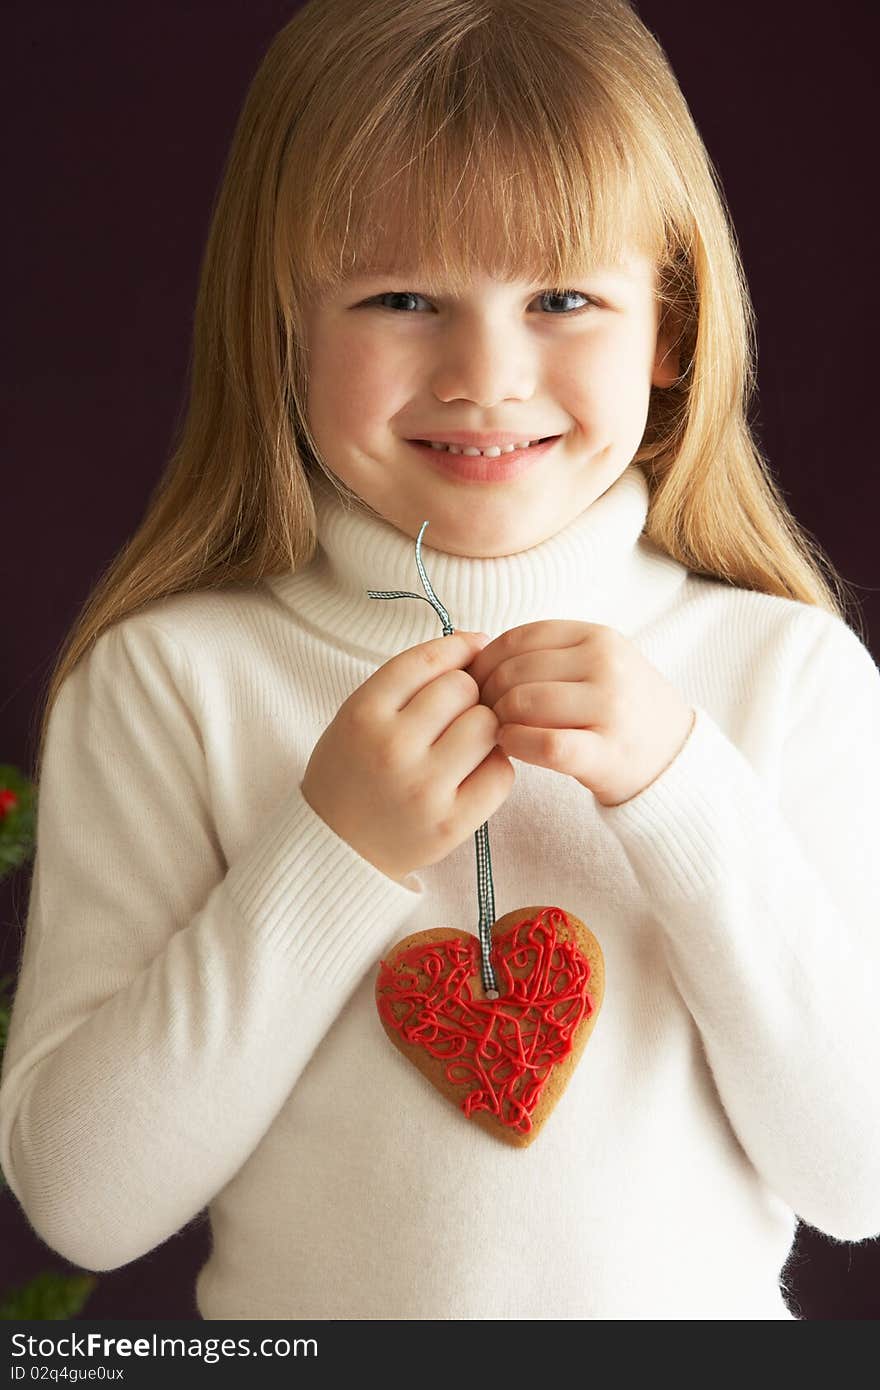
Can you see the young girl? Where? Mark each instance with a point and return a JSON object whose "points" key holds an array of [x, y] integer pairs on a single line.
{"points": [[477, 224]]}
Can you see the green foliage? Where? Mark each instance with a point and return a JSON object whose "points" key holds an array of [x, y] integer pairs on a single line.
{"points": [[48, 1296], [17, 824]]}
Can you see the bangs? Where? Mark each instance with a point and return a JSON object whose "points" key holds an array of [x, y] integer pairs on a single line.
{"points": [[493, 159]]}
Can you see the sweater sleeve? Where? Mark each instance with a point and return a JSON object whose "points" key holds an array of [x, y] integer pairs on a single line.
{"points": [[770, 909], [167, 1002]]}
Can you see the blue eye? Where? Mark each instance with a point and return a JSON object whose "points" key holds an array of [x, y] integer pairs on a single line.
{"points": [[394, 294], [567, 294], [545, 295]]}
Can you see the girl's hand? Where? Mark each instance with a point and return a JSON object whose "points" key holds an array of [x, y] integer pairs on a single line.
{"points": [[409, 768], [580, 698]]}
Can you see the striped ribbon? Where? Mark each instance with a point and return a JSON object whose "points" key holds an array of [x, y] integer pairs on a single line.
{"points": [[485, 886]]}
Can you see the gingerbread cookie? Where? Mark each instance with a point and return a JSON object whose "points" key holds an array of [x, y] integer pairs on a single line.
{"points": [[503, 1062]]}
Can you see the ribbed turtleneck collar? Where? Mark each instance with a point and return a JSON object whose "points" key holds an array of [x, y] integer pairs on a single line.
{"points": [[597, 569]]}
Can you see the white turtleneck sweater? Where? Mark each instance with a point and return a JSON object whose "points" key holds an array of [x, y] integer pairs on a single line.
{"points": [[195, 1023]]}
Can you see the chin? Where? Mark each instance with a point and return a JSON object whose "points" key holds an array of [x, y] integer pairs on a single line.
{"points": [[498, 541]]}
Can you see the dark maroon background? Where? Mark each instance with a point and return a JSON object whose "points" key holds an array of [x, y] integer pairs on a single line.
{"points": [[118, 120]]}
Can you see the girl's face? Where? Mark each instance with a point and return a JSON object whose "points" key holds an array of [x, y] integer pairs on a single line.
{"points": [[394, 359]]}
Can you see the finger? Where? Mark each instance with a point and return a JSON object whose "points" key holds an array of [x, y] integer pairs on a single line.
{"points": [[549, 705], [464, 746], [393, 685], [537, 636], [573, 751], [482, 793], [568, 664], [433, 708]]}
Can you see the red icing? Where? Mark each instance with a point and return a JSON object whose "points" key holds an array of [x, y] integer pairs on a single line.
{"points": [[504, 1049]]}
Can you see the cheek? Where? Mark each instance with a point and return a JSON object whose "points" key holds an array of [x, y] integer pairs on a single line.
{"points": [[604, 381], [355, 385]]}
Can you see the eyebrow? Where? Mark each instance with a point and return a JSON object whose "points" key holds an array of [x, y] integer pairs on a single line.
{"points": [[409, 273]]}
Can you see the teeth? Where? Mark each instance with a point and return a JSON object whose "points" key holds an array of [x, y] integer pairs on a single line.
{"points": [[492, 453]]}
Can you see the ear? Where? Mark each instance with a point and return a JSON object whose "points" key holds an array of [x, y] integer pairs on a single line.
{"points": [[666, 363]]}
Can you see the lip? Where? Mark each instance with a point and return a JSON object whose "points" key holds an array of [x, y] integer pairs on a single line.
{"points": [[470, 469], [477, 439]]}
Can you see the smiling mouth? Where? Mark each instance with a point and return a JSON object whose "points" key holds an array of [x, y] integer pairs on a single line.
{"points": [[490, 452], [473, 468]]}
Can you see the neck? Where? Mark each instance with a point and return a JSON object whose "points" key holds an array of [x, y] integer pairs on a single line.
{"points": [[597, 569]]}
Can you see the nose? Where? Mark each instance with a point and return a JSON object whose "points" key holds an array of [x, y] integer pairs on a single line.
{"points": [[481, 359]]}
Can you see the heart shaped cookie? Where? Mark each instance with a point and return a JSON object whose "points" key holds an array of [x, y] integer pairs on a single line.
{"points": [[504, 1062]]}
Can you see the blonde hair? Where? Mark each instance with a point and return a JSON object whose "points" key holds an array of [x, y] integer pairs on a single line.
{"points": [[366, 135]]}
